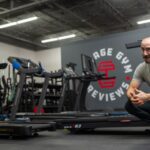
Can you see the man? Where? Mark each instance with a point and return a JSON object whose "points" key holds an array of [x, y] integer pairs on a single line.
{"points": [[139, 101]]}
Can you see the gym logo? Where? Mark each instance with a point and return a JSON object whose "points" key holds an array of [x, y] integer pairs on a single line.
{"points": [[111, 63], [105, 67]]}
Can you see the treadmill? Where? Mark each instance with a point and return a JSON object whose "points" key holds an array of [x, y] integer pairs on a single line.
{"points": [[13, 126], [79, 118]]}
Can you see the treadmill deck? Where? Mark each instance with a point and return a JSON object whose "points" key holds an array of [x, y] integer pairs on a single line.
{"points": [[24, 129]]}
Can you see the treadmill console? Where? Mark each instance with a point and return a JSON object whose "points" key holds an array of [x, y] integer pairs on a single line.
{"points": [[24, 63]]}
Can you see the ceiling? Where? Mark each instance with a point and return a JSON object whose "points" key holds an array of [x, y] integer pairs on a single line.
{"points": [[85, 18]]}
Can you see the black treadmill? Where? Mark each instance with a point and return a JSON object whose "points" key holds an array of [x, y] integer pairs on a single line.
{"points": [[79, 118], [23, 126]]}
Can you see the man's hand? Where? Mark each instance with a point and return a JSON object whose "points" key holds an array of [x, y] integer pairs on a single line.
{"points": [[139, 97], [142, 95], [137, 102], [136, 96]]}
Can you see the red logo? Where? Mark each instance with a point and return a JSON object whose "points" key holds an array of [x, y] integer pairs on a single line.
{"points": [[106, 67]]}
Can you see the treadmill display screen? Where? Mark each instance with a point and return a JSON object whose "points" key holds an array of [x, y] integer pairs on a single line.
{"points": [[87, 64]]}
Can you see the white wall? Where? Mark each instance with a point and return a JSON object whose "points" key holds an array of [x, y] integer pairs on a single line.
{"points": [[50, 59], [7, 50]]}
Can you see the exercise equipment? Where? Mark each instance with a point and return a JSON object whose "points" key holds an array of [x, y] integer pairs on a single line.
{"points": [[3, 65], [13, 126], [79, 118], [3, 88], [133, 44]]}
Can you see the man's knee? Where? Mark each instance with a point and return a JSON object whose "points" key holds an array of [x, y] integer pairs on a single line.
{"points": [[129, 107]]}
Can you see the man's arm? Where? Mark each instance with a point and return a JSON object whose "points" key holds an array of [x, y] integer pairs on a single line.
{"points": [[132, 92]]}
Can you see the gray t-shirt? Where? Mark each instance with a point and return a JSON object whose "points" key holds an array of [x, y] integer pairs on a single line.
{"points": [[142, 73]]}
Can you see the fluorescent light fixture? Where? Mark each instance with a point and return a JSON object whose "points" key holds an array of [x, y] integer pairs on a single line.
{"points": [[18, 22], [27, 20], [58, 38], [143, 21]]}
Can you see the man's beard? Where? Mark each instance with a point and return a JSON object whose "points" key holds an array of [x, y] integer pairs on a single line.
{"points": [[146, 59]]}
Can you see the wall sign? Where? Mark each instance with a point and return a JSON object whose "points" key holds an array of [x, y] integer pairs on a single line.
{"points": [[111, 62]]}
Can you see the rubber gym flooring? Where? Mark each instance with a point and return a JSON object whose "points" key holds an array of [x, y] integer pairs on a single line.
{"points": [[101, 139]]}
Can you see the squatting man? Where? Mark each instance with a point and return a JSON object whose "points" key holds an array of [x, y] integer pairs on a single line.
{"points": [[138, 102]]}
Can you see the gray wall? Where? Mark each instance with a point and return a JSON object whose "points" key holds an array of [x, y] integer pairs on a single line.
{"points": [[124, 60]]}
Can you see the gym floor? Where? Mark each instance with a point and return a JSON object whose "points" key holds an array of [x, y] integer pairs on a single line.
{"points": [[100, 139]]}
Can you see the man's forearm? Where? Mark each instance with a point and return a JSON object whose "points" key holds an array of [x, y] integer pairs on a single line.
{"points": [[147, 97]]}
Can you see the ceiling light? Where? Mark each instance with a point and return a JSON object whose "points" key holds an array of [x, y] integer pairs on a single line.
{"points": [[18, 22], [58, 38], [143, 21]]}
